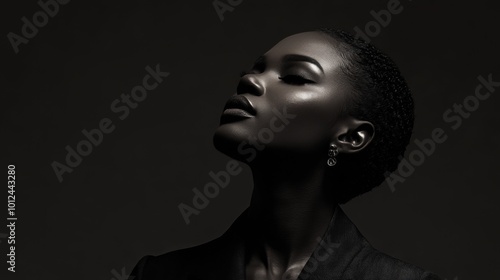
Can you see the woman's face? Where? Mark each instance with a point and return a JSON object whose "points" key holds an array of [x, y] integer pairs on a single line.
{"points": [[289, 101]]}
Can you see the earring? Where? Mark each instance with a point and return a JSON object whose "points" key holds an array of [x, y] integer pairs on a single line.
{"points": [[332, 153]]}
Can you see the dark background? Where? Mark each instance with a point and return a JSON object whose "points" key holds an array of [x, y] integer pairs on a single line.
{"points": [[121, 202]]}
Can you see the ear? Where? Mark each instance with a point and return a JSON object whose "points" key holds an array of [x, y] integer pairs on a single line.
{"points": [[353, 135]]}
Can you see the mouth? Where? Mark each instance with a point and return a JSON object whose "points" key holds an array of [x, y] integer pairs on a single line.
{"points": [[237, 107]]}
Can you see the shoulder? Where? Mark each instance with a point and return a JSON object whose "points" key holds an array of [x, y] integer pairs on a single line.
{"points": [[371, 264], [220, 258], [181, 264]]}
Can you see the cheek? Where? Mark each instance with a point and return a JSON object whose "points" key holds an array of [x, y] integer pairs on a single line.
{"points": [[305, 119]]}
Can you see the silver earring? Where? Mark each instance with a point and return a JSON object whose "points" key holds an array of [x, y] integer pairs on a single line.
{"points": [[332, 153]]}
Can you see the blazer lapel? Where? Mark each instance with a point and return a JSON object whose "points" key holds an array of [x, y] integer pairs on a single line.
{"points": [[337, 248]]}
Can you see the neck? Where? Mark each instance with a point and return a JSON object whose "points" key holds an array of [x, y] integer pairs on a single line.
{"points": [[289, 210]]}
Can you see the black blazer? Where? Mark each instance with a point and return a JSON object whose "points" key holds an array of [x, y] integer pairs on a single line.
{"points": [[343, 254]]}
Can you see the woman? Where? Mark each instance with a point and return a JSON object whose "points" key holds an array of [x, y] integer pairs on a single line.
{"points": [[320, 118]]}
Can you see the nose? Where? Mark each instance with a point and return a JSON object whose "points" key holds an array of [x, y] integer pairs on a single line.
{"points": [[250, 83]]}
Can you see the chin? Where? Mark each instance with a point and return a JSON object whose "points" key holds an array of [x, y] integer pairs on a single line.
{"points": [[227, 139], [232, 139]]}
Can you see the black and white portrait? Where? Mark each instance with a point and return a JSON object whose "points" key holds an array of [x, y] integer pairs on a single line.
{"points": [[226, 139]]}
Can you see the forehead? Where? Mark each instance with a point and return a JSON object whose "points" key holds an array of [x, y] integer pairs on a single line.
{"points": [[316, 45]]}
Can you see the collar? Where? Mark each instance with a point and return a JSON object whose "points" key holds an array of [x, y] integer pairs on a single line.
{"points": [[339, 245]]}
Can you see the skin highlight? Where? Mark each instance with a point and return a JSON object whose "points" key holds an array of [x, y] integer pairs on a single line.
{"points": [[291, 205]]}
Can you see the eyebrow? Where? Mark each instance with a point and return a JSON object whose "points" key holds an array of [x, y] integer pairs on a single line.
{"points": [[291, 58], [298, 57]]}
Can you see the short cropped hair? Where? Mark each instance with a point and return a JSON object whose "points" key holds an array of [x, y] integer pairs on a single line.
{"points": [[381, 96]]}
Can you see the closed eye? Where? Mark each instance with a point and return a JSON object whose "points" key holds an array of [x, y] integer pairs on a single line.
{"points": [[295, 80]]}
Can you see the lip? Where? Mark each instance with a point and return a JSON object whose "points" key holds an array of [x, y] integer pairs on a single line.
{"points": [[239, 102], [237, 107]]}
